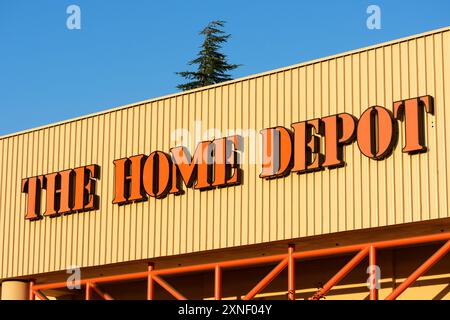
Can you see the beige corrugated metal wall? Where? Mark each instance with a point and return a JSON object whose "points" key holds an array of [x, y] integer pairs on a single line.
{"points": [[363, 194]]}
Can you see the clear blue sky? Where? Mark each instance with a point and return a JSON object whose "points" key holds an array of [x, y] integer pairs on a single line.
{"points": [[127, 51]]}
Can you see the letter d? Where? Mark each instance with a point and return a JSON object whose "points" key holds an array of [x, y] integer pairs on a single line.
{"points": [[277, 152]]}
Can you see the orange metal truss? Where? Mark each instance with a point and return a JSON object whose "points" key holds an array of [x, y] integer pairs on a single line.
{"points": [[284, 260]]}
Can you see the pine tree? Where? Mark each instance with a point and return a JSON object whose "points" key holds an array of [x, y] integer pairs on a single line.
{"points": [[212, 65]]}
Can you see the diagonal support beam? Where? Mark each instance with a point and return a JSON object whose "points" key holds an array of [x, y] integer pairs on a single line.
{"points": [[438, 255], [341, 274], [100, 292], [168, 288], [267, 279], [40, 295]]}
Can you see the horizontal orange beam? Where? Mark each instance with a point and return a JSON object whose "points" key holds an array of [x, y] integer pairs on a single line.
{"points": [[378, 245], [222, 264], [119, 277], [256, 261]]}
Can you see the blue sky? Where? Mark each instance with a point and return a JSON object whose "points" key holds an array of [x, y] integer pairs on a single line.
{"points": [[127, 51]]}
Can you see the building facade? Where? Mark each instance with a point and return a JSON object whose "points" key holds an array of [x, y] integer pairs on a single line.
{"points": [[262, 187]]}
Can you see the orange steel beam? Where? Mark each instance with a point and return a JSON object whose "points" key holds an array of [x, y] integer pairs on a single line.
{"points": [[170, 271], [218, 283], [373, 273], [88, 291], [267, 279], [150, 283], [222, 264], [291, 272], [379, 245], [410, 241], [102, 294], [31, 295], [119, 277], [341, 274], [255, 261], [438, 255], [40, 295], [169, 288], [259, 260]]}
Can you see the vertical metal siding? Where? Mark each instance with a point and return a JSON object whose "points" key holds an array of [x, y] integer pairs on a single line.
{"points": [[363, 194]]}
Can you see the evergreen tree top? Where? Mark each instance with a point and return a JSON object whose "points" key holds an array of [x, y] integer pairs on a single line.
{"points": [[212, 65]]}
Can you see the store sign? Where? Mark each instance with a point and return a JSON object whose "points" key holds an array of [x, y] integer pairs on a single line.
{"points": [[68, 191], [307, 146], [215, 164], [319, 143]]}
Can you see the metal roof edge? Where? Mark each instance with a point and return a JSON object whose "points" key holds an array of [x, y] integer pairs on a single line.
{"points": [[253, 76]]}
